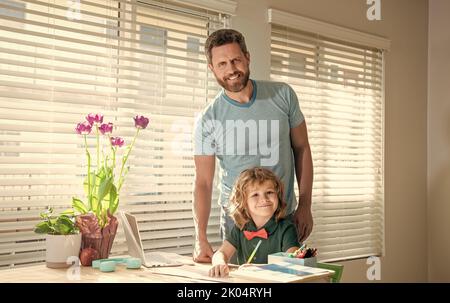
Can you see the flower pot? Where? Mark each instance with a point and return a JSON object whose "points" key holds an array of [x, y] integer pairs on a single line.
{"points": [[96, 242], [60, 247], [101, 243]]}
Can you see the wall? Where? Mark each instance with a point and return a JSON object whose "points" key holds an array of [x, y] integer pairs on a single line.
{"points": [[405, 23], [439, 141]]}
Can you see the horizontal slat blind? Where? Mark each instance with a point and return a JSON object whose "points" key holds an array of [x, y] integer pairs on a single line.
{"points": [[339, 86], [120, 58]]}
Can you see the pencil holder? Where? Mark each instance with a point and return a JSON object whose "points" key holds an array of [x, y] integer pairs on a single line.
{"points": [[284, 257]]}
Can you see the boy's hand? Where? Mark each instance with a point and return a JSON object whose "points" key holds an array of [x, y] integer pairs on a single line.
{"points": [[220, 271]]}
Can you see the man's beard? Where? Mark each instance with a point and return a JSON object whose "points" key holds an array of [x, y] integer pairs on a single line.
{"points": [[238, 85]]}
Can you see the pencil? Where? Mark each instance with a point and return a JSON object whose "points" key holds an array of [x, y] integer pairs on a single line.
{"points": [[254, 252]]}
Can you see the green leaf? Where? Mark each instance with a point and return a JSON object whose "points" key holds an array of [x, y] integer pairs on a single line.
{"points": [[97, 181], [113, 200], [86, 188], [104, 188], [109, 172], [96, 207], [94, 184], [58, 230], [85, 183], [103, 218], [101, 173], [78, 205], [64, 225], [42, 228], [46, 214], [68, 212]]}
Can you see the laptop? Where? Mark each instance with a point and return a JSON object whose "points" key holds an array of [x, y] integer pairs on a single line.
{"points": [[136, 249]]}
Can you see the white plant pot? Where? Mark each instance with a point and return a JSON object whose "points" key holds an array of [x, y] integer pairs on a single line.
{"points": [[59, 248]]}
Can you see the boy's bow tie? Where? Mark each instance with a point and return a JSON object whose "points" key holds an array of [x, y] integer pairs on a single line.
{"points": [[262, 233]]}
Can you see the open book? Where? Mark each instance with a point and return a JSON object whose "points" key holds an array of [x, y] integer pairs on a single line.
{"points": [[282, 272]]}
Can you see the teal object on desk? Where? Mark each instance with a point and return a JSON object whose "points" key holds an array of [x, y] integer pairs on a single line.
{"points": [[109, 265], [134, 263]]}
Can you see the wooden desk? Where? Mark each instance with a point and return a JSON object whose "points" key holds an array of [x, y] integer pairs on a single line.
{"points": [[179, 274]]}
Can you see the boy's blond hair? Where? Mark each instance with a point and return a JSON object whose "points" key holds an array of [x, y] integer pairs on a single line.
{"points": [[238, 199]]}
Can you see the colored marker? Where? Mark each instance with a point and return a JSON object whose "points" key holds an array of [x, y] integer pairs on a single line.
{"points": [[254, 252]]}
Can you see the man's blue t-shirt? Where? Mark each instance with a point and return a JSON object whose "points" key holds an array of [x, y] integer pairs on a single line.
{"points": [[246, 135]]}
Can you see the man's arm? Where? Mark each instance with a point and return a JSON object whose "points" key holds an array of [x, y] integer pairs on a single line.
{"points": [[204, 175], [304, 174]]}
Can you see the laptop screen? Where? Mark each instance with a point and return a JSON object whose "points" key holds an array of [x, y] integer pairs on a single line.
{"points": [[132, 235], [135, 247], [134, 227]]}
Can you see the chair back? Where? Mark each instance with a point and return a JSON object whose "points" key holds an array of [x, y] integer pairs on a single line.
{"points": [[337, 268]]}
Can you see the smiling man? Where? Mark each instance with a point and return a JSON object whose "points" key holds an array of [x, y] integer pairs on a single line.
{"points": [[250, 123]]}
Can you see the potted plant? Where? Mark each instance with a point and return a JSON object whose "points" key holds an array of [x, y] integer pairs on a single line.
{"points": [[63, 239], [102, 186]]}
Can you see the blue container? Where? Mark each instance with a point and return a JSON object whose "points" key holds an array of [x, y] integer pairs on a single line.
{"points": [[284, 257]]}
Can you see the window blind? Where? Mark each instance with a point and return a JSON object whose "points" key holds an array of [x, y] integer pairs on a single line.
{"points": [[340, 90], [59, 61]]}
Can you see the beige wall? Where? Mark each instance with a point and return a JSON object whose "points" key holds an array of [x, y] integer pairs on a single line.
{"points": [[439, 141], [405, 23]]}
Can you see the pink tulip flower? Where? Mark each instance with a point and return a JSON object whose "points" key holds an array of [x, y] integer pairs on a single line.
{"points": [[94, 118], [106, 128], [117, 141], [141, 122], [83, 128]]}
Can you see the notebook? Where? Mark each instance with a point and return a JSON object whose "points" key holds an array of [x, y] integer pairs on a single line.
{"points": [[135, 247], [282, 272]]}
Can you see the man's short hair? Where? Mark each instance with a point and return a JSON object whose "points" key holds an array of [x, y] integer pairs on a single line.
{"points": [[222, 37]]}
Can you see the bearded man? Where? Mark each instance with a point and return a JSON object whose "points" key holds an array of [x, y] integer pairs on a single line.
{"points": [[249, 124]]}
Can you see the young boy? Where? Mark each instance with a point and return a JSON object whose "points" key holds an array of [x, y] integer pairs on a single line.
{"points": [[258, 209]]}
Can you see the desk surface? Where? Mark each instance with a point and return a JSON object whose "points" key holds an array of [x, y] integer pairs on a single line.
{"points": [[180, 274]]}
